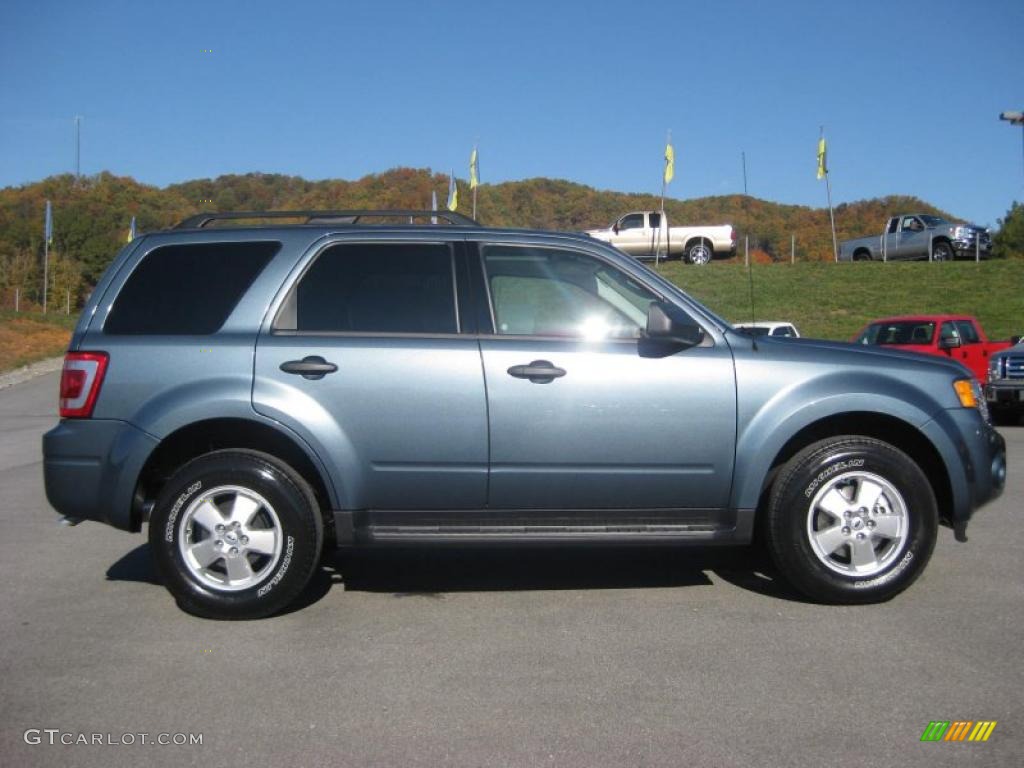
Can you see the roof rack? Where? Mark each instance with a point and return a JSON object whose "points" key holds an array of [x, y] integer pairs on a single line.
{"points": [[201, 220]]}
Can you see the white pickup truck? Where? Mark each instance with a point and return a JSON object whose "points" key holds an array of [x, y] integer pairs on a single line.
{"points": [[646, 233]]}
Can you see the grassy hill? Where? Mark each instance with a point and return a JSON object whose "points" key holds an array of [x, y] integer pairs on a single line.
{"points": [[833, 301]]}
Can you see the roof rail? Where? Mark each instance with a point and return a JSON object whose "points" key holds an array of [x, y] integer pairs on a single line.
{"points": [[201, 220]]}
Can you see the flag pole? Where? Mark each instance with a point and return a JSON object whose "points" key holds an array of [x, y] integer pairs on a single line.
{"points": [[664, 185], [823, 165], [47, 236]]}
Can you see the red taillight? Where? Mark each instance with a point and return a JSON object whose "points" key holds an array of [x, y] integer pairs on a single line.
{"points": [[80, 382]]}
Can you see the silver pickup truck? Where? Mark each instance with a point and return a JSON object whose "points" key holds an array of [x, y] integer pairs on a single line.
{"points": [[919, 236]]}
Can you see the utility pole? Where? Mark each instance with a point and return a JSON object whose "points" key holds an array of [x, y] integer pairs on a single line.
{"points": [[1015, 118], [743, 155]]}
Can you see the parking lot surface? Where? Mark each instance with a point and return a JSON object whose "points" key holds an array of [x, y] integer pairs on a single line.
{"points": [[624, 657]]}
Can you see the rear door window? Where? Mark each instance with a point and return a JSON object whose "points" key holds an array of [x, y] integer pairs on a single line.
{"points": [[405, 288], [182, 290]]}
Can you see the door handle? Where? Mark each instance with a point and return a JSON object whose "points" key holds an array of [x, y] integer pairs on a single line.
{"points": [[312, 367], [538, 372]]}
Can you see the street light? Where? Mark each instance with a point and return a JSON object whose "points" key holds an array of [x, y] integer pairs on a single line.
{"points": [[1014, 118]]}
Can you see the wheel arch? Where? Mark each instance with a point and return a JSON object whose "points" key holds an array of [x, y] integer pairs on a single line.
{"points": [[198, 438], [698, 240], [890, 429], [862, 254]]}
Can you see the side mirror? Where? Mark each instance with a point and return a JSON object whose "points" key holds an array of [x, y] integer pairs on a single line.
{"points": [[1015, 339], [615, 227], [951, 342], [666, 322]]}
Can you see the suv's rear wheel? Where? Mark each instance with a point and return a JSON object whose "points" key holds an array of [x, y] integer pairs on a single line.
{"points": [[851, 520], [236, 535]]}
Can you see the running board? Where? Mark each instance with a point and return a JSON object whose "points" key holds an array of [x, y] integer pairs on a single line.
{"points": [[467, 534], [596, 525]]}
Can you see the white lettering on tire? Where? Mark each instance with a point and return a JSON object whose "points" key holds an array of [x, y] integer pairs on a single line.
{"points": [[285, 562], [826, 473], [178, 504], [901, 566]]}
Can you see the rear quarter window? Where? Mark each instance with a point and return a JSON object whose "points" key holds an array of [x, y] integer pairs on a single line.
{"points": [[187, 289]]}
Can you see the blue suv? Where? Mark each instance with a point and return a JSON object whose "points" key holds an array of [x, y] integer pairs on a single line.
{"points": [[260, 386]]}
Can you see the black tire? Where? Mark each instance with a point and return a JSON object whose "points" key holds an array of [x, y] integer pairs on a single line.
{"points": [[799, 530], [862, 256], [281, 513], [942, 251], [699, 253]]}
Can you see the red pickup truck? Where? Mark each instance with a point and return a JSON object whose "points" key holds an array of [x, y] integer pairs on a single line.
{"points": [[957, 336]]}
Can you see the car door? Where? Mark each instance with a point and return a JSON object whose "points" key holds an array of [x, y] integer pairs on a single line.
{"points": [[913, 241], [582, 414], [365, 360], [631, 237]]}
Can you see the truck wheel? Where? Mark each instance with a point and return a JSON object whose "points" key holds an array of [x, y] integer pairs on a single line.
{"points": [[942, 251], [851, 520], [699, 253], [235, 535]]}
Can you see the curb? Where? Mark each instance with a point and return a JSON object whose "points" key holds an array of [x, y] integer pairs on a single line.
{"points": [[29, 372]]}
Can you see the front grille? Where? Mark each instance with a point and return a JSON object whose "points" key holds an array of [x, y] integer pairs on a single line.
{"points": [[1015, 366]]}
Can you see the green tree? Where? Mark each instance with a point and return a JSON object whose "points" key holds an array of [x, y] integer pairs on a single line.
{"points": [[1009, 240]]}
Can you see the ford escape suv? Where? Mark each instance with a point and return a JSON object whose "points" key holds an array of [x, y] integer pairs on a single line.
{"points": [[257, 390]]}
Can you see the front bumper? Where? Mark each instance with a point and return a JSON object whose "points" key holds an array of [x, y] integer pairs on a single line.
{"points": [[91, 469], [1005, 396], [967, 248]]}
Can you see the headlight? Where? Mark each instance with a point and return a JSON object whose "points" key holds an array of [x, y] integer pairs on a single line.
{"points": [[969, 393], [993, 368], [965, 390]]}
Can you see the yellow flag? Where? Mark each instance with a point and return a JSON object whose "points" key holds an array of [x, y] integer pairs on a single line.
{"points": [[670, 162], [822, 167], [453, 193], [474, 180]]}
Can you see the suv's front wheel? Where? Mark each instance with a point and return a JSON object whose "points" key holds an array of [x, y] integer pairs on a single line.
{"points": [[236, 535], [851, 520]]}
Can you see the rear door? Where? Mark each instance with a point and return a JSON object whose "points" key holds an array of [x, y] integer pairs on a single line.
{"points": [[611, 424], [366, 359]]}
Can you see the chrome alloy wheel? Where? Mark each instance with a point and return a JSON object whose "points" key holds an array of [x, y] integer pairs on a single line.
{"points": [[858, 524], [230, 538], [700, 254]]}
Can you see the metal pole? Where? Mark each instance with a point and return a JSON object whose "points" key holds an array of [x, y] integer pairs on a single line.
{"points": [[792, 249], [78, 147], [746, 250], [17, 299], [929, 245], [744, 155], [977, 246], [832, 217], [46, 270], [67, 310]]}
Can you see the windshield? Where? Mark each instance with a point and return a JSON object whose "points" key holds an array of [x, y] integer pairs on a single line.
{"points": [[905, 332]]}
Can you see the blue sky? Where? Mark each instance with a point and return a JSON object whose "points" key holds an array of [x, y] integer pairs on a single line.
{"points": [[909, 93]]}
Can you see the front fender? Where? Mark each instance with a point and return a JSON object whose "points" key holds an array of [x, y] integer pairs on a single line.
{"points": [[764, 432]]}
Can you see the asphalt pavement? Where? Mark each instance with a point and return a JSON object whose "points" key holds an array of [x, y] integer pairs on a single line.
{"points": [[654, 657]]}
